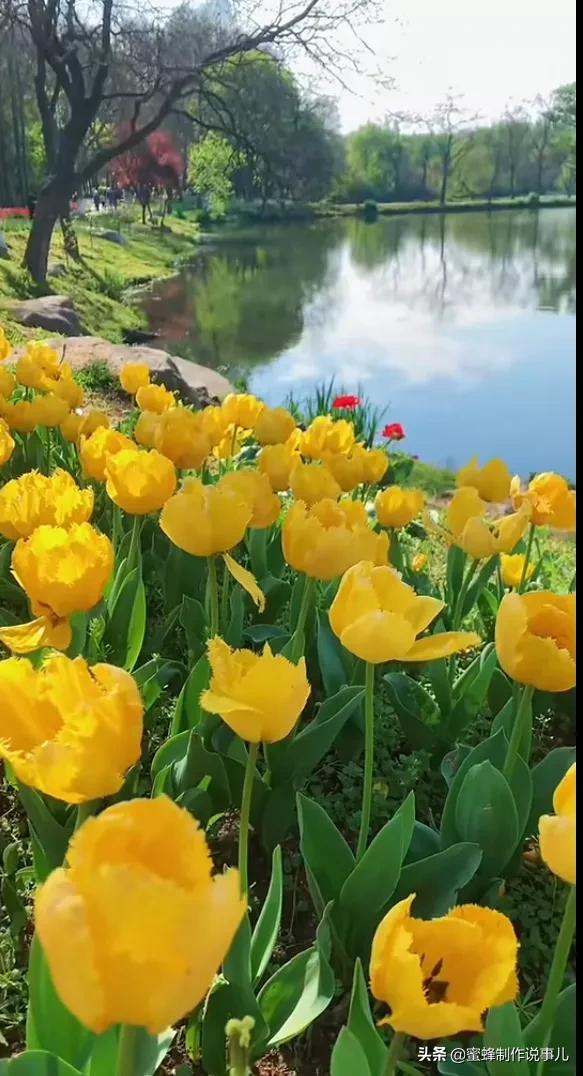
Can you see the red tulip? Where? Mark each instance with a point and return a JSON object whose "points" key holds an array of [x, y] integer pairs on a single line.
{"points": [[394, 432], [346, 403]]}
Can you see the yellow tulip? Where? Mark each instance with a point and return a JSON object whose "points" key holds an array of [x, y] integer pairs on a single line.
{"points": [[139, 481], [178, 434], [5, 346], [7, 378], [241, 409], [20, 416], [325, 540], [512, 567], [259, 696], [325, 435], [63, 571], [204, 520], [255, 488], [276, 461], [378, 617], [92, 421], [49, 410], [136, 926], [29, 373], [155, 398], [145, 430], [274, 425], [347, 468], [552, 503], [558, 832], [231, 443], [313, 482], [68, 729], [396, 507], [440, 976], [213, 424], [133, 376], [375, 464], [419, 562], [94, 451], [492, 481], [33, 499], [476, 535], [70, 391], [6, 443], [535, 639], [71, 426]]}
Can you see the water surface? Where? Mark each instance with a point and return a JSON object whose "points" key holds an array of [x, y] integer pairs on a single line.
{"points": [[463, 326]]}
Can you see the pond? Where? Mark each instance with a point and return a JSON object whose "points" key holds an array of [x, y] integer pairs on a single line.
{"points": [[462, 326]]}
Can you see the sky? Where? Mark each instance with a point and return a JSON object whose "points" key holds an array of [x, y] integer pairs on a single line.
{"points": [[492, 53]]}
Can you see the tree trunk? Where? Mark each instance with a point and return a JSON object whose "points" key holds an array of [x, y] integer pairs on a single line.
{"points": [[444, 179], [53, 202], [70, 241]]}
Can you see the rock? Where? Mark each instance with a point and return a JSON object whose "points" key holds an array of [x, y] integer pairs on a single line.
{"points": [[57, 270], [197, 385], [55, 313], [138, 336], [112, 237], [4, 248]]}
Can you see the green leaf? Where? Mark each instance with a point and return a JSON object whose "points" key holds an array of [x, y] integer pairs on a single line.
{"points": [[494, 750], [545, 778], [234, 629], [52, 837], [499, 691], [424, 842], [417, 711], [263, 633], [348, 1056], [171, 751], [327, 858], [50, 1026], [563, 1034], [362, 1026], [154, 677], [37, 1063], [295, 757], [267, 926], [486, 815], [278, 814], [257, 546], [126, 626], [297, 994], [438, 673], [188, 710], [476, 588], [456, 561], [193, 620], [438, 879], [329, 655], [503, 1029]]}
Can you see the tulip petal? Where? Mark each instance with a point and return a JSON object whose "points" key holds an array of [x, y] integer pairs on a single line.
{"points": [[246, 580], [26, 638], [435, 1021], [564, 799], [422, 612], [378, 637], [441, 645], [557, 837]]}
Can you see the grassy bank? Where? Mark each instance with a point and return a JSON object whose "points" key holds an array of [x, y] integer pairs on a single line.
{"points": [[98, 282], [327, 209]]}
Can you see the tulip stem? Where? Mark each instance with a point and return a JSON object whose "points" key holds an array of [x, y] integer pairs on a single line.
{"points": [[127, 1050], [458, 613], [522, 717], [225, 599], [557, 973], [298, 639], [368, 761], [393, 1054], [245, 815], [134, 550], [213, 597], [529, 542], [84, 811]]}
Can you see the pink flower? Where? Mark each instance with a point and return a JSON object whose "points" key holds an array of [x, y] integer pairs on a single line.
{"points": [[394, 432], [346, 403]]}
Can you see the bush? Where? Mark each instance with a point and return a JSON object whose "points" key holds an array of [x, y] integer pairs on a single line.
{"points": [[370, 210]]}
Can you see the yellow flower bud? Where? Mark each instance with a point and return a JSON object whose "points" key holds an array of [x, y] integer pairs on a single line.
{"points": [[492, 481], [276, 461], [204, 520], [33, 499], [6, 443], [92, 421], [512, 567], [378, 617], [5, 346], [241, 409], [68, 729], [396, 507], [312, 482], [419, 562], [140, 482], [558, 832], [63, 571], [326, 539], [7, 378], [20, 416], [178, 434], [439, 977], [145, 431], [375, 465], [133, 376], [94, 451], [155, 398], [535, 639], [213, 423], [68, 390], [348, 468], [49, 410], [255, 488], [326, 435], [137, 925], [259, 696], [274, 425], [551, 501], [71, 426]]}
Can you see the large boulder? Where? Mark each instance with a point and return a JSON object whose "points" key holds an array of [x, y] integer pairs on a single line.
{"points": [[55, 313], [4, 248], [112, 236], [195, 384]]}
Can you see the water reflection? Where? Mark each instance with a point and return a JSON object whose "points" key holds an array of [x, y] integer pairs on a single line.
{"points": [[463, 324]]}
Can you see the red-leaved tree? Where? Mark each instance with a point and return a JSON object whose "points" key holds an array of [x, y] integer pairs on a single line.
{"points": [[156, 162]]}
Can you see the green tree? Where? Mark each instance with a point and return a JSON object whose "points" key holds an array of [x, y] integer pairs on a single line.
{"points": [[211, 164]]}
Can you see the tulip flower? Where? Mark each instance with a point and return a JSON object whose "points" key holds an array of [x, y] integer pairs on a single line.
{"points": [[133, 376], [469, 530], [20, 416], [393, 432], [325, 435], [347, 468], [5, 346], [205, 520], [255, 488], [346, 403], [492, 481], [178, 434], [7, 378], [396, 507], [312, 482], [135, 927], [276, 461], [155, 398], [71, 427], [92, 421], [213, 424], [95, 450], [241, 410], [49, 410], [515, 569], [145, 429], [375, 464], [6, 443], [326, 539], [535, 639], [70, 391], [68, 729], [139, 481], [38, 363], [557, 832], [551, 501], [274, 425], [440, 976], [33, 499]]}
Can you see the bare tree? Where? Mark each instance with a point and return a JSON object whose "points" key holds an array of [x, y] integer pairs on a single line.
{"points": [[451, 128], [516, 128], [98, 62], [541, 132]]}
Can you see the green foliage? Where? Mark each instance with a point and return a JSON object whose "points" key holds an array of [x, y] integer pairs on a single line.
{"points": [[211, 164]]}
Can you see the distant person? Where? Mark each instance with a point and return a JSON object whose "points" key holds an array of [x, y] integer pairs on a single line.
{"points": [[96, 201], [31, 205]]}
